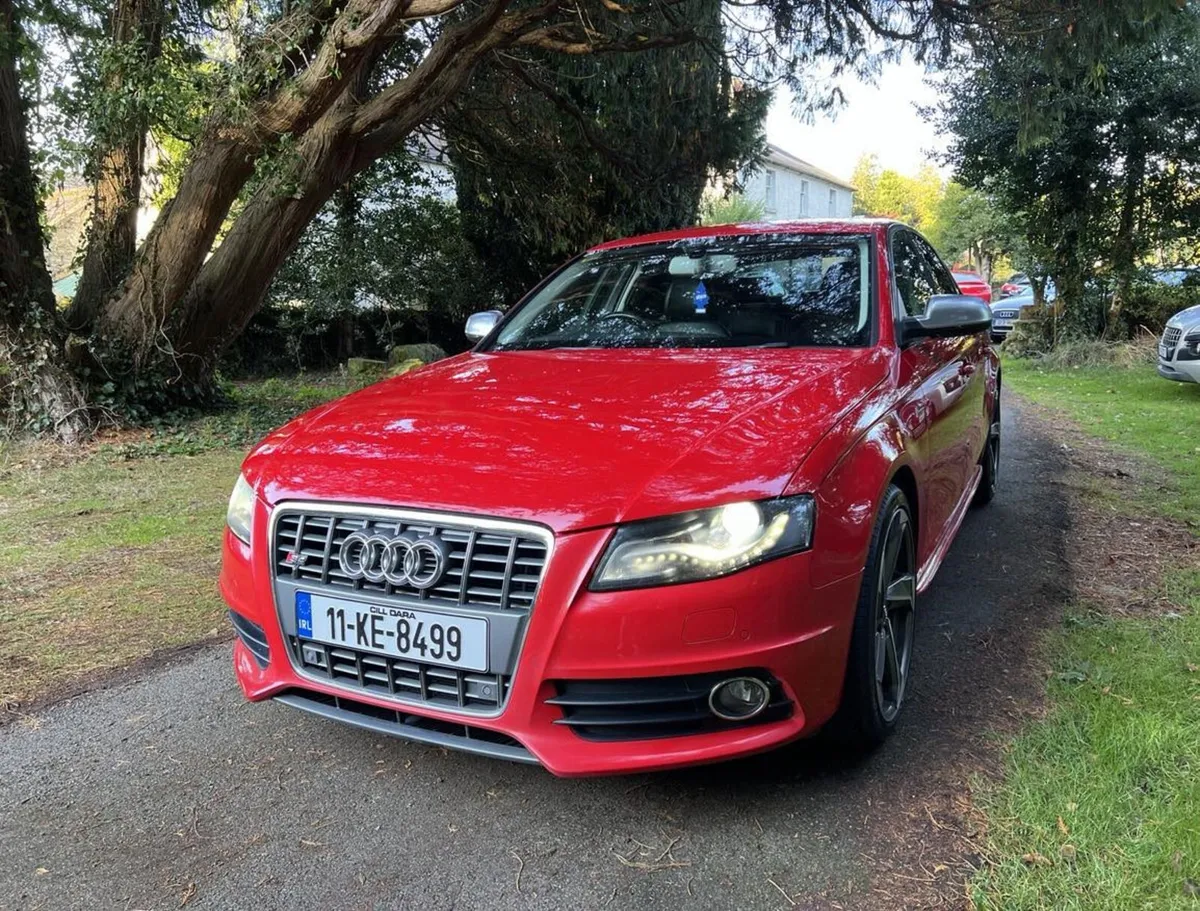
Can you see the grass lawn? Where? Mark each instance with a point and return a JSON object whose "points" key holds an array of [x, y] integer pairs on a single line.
{"points": [[1134, 408], [1100, 805], [111, 554]]}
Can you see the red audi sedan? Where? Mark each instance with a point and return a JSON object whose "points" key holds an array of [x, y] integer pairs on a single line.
{"points": [[678, 505]]}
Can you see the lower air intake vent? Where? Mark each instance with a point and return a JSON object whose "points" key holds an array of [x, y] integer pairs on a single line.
{"points": [[649, 707]]}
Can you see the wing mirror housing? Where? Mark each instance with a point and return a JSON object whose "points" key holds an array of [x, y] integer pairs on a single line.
{"points": [[481, 324], [947, 316]]}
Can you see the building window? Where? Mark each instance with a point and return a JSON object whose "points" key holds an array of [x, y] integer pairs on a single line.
{"points": [[770, 195], [832, 201], [803, 197]]}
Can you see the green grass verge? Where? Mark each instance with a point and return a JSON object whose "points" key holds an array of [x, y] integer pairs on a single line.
{"points": [[1100, 804], [1137, 410], [111, 555]]}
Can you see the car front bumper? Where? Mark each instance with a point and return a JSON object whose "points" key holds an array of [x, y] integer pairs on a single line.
{"points": [[767, 620], [1180, 371]]}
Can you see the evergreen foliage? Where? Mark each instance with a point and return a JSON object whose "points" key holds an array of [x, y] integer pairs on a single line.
{"points": [[554, 153]]}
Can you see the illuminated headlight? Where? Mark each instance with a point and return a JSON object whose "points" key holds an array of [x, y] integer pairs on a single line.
{"points": [[241, 509], [705, 544]]}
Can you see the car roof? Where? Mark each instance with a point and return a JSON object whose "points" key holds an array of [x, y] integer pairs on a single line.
{"points": [[797, 226]]}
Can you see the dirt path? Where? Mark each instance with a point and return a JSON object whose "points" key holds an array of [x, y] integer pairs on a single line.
{"points": [[169, 790]]}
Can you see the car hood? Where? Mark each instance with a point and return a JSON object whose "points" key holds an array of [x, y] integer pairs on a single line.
{"points": [[570, 438], [1186, 319]]}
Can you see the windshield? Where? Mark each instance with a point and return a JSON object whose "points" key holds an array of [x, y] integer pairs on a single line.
{"points": [[749, 291]]}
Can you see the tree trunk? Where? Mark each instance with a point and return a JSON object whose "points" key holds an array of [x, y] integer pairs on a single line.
{"points": [[141, 318], [1072, 317], [41, 392], [136, 26], [347, 208], [172, 254], [1125, 243], [233, 283]]}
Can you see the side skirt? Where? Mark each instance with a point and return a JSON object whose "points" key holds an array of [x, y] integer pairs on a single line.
{"points": [[933, 564]]}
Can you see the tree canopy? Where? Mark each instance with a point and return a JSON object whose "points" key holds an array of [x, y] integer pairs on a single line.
{"points": [[263, 111], [554, 153], [1111, 178]]}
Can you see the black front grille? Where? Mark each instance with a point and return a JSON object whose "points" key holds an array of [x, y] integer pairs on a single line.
{"points": [[252, 637], [419, 683], [651, 707], [487, 568], [1170, 337], [1004, 314]]}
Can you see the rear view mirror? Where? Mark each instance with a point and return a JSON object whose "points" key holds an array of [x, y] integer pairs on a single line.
{"points": [[480, 325], [947, 316]]}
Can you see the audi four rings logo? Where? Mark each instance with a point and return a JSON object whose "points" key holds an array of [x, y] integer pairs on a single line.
{"points": [[405, 559]]}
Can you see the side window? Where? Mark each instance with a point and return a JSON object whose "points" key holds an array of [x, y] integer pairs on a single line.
{"points": [[942, 279], [915, 276]]}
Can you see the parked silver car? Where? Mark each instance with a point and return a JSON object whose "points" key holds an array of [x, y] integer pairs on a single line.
{"points": [[1008, 310], [1179, 347]]}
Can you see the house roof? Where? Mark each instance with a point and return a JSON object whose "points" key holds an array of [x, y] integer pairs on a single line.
{"points": [[783, 159]]}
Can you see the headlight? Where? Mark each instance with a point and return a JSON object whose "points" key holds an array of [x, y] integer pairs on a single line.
{"points": [[241, 509], [705, 544]]}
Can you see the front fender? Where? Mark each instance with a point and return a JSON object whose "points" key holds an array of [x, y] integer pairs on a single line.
{"points": [[848, 499]]}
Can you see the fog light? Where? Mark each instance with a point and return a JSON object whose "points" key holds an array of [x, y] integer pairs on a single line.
{"points": [[738, 699]]}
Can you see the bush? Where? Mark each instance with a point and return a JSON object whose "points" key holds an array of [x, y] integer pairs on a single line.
{"points": [[1150, 305], [1139, 352]]}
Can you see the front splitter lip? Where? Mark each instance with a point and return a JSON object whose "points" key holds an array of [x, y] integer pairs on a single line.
{"points": [[560, 751]]}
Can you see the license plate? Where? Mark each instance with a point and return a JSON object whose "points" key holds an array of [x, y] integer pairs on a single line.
{"points": [[1164, 352], [401, 632], [1002, 323]]}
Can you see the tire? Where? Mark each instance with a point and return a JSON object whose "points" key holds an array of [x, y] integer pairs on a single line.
{"points": [[990, 461], [871, 699]]}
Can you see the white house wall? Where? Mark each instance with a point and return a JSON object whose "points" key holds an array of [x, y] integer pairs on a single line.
{"points": [[790, 199]]}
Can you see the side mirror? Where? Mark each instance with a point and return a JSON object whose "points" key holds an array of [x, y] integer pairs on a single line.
{"points": [[480, 325], [946, 316]]}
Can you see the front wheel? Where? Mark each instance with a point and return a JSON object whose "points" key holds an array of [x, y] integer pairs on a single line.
{"points": [[880, 660], [989, 461]]}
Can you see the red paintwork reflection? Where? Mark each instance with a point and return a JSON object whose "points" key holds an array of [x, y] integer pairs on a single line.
{"points": [[580, 441]]}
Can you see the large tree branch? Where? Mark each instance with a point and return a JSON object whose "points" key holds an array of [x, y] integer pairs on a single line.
{"points": [[456, 40], [353, 35], [565, 39], [225, 157]]}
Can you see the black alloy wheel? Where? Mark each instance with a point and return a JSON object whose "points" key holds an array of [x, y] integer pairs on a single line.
{"points": [[881, 647]]}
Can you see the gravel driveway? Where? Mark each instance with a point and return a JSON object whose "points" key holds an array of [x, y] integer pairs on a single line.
{"points": [[171, 791]]}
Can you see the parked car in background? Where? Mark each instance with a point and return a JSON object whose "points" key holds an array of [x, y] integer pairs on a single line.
{"points": [[1179, 347], [1006, 311], [676, 506], [974, 285], [1018, 283], [1178, 276]]}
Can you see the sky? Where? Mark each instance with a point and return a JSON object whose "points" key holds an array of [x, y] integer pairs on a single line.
{"points": [[881, 118]]}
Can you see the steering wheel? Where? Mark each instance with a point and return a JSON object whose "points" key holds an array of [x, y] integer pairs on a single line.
{"points": [[626, 316]]}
